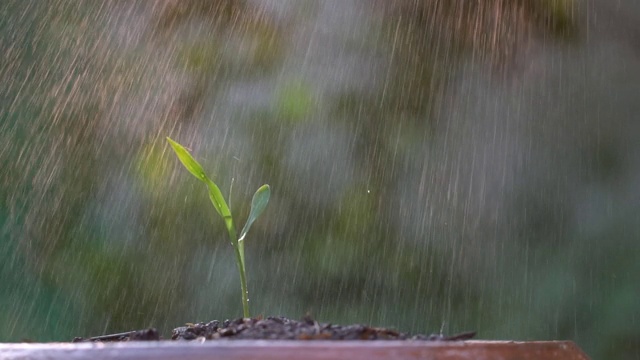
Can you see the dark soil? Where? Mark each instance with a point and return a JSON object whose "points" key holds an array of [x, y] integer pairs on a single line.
{"points": [[275, 328]]}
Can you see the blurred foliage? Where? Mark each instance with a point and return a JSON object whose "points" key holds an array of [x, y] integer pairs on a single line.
{"points": [[294, 102], [555, 15], [101, 232], [173, 14], [495, 30], [200, 58]]}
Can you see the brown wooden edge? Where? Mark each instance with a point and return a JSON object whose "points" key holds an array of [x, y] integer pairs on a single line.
{"points": [[317, 350]]}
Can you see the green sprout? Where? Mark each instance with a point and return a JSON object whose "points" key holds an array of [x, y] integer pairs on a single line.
{"points": [[258, 204]]}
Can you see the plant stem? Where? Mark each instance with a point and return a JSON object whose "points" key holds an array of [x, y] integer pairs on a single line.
{"points": [[240, 263], [243, 282]]}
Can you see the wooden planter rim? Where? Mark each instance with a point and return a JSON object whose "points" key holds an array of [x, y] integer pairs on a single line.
{"points": [[316, 350]]}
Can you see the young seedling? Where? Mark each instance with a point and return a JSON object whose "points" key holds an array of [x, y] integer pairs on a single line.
{"points": [[258, 204]]}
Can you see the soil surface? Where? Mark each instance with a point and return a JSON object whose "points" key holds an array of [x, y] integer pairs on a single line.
{"points": [[274, 328]]}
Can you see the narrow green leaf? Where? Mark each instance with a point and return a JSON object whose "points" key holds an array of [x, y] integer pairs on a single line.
{"points": [[196, 169], [188, 161], [216, 203], [258, 204], [217, 199]]}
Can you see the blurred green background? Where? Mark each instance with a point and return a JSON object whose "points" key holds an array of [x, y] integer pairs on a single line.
{"points": [[434, 165]]}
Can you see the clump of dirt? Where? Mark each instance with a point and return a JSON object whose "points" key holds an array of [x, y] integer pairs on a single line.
{"points": [[276, 328]]}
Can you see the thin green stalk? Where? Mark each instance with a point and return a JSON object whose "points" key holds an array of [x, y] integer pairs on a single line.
{"points": [[241, 267], [243, 283]]}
